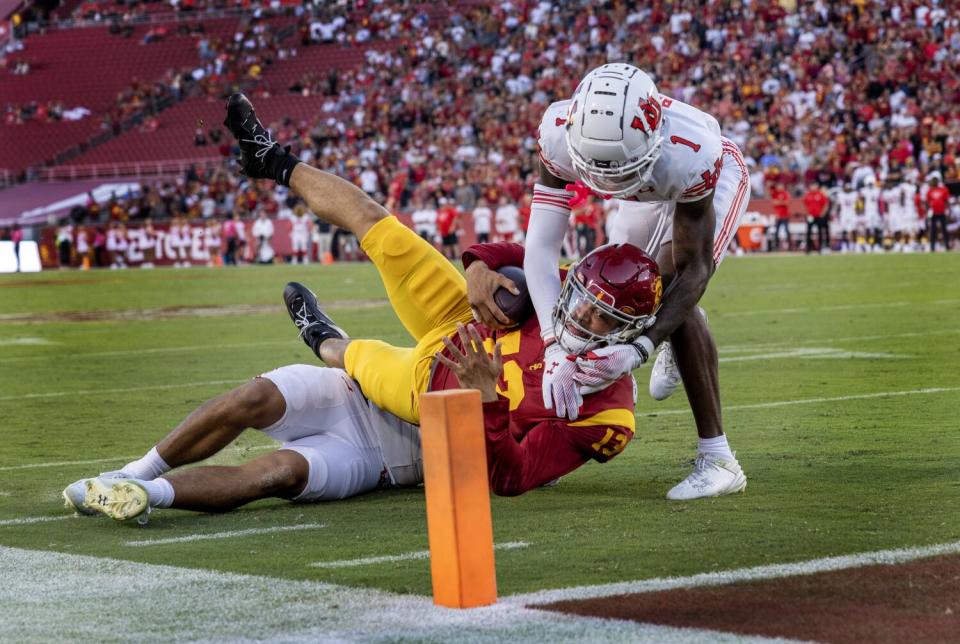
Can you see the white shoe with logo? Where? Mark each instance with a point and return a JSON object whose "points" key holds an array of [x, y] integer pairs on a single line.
{"points": [[711, 476]]}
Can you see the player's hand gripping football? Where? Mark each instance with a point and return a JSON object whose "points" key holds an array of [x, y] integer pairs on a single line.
{"points": [[474, 368], [560, 391], [598, 369], [482, 283]]}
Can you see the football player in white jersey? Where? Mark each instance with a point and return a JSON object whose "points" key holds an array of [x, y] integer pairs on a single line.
{"points": [[847, 200], [911, 218], [870, 195], [683, 189], [893, 204]]}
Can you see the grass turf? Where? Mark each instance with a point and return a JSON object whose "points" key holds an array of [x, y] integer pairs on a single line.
{"points": [[834, 477]]}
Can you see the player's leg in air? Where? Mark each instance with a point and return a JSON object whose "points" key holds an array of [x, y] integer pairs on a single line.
{"points": [[330, 449], [426, 291]]}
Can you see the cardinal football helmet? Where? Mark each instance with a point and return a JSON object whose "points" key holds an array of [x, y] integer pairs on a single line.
{"points": [[613, 129], [621, 283]]}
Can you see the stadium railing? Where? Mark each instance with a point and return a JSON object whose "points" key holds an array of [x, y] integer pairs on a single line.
{"points": [[125, 169]]}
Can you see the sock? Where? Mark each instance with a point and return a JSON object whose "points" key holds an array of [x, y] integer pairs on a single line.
{"points": [[279, 164], [159, 492], [716, 447], [147, 468]]}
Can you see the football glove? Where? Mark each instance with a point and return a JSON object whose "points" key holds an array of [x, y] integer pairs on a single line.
{"points": [[559, 390], [601, 367]]}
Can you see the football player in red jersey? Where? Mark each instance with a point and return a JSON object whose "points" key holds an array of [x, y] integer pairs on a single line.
{"points": [[351, 427]]}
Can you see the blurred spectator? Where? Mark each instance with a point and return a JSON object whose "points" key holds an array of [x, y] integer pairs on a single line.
{"points": [[448, 226], [507, 221], [938, 200], [817, 205], [781, 210], [482, 215], [263, 233]]}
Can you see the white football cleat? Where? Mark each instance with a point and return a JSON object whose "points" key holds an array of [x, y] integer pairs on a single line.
{"points": [[665, 376], [711, 476], [74, 495], [119, 499]]}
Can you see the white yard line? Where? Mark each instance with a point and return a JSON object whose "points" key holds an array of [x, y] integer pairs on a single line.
{"points": [[29, 520], [407, 556], [815, 353], [666, 412], [111, 459], [94, 461], [23, 342], [120, 390], [814, 401], [773, 571], [837, 307], [230, 534], [74, 357], [47, 594], [792, 343]]}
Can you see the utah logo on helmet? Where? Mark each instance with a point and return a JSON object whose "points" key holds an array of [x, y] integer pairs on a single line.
{"points": [[613, 129], [619, 281]]}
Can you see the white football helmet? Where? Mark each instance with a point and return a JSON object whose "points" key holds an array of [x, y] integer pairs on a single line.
{"points": [[613, 129]]}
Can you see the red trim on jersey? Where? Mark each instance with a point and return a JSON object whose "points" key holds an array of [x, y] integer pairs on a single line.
{"points": [[723, 239]]}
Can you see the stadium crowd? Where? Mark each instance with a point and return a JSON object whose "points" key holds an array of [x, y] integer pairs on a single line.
{"points": [[816, 94]]}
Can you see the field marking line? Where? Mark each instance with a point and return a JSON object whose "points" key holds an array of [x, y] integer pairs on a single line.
{"points": [[31, 520], [229, 534], [667, 412], [759, 347], [407, 556], [813, 401], [815, 353], [112, 459], [150, 351], [227, 606], [94, 461], [24, 342], [119, 390], [814, 309], [756, 573]]}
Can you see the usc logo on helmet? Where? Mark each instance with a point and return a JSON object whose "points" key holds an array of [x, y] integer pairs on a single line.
{"points": [[657, 291]]}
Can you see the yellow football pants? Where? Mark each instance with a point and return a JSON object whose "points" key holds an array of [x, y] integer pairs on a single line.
{"points": [[429, 296]]}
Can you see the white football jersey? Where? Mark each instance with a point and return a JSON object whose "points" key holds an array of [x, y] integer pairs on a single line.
{"points": [[892, 199], [871, 200], [847, 202], [909, 192], [689, 163]]}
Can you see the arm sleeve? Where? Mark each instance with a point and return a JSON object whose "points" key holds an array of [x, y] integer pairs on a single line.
{"points": [[549, 220], [494, 255]]}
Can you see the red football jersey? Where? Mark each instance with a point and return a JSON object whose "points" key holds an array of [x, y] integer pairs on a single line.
{"points": [[938, 198], [527, 444]]}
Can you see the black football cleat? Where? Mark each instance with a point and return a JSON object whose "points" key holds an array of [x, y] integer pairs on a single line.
{"points": [[260, 154], [315, 326]]}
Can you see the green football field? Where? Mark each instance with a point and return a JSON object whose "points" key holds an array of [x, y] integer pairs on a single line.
{"points": [[840, 377]]}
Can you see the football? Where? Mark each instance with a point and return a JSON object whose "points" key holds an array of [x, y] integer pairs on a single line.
{"points": [[519, 307]]}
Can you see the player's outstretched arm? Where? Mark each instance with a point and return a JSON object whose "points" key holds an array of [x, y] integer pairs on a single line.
{"points": [[549, 219], [693, 265]]}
